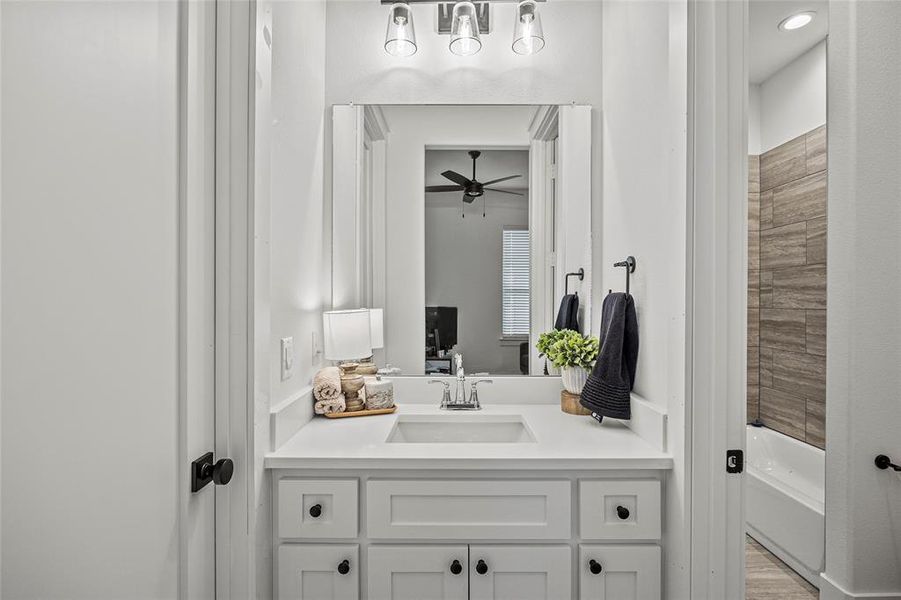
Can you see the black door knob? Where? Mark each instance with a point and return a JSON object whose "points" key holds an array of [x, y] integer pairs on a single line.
{"points": [[622, 512], [456, 568], [344, 567], [316, 511], [481, 567], [595, 567], [221, 472]]}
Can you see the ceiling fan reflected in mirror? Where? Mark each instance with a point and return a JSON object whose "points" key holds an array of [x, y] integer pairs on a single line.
{"points": [[472, 188]]}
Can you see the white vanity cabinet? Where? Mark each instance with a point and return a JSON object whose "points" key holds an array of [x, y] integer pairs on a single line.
{"points": [[619, 572], [521, 572], [467, 535], [318, 572], [415, 572]]}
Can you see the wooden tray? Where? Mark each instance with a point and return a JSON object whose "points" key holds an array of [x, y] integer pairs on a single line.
{"points": [[362, 413]]}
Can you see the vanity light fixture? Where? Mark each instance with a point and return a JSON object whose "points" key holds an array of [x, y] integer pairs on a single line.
{"points": [[400, 39], [797, 20], [528, 37], [466, 21], [465, 40]]}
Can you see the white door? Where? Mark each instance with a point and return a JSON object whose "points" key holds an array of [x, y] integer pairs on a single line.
{"points": [[107, 249], [619, 573], [520, 572], [313, 572], [418, 573]]}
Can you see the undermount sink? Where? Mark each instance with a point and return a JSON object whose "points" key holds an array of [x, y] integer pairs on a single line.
{"points": [[460, 429]]}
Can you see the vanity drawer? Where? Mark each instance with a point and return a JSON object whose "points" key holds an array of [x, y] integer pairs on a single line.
{"points": [[618, 509], [468, 509], [317, 508]]}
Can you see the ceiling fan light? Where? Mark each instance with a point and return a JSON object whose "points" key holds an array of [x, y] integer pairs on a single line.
{"points": [[465, 39], [400, 39], [528, 36]]}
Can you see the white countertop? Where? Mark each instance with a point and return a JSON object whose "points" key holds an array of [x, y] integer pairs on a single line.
{"points": [[562, 441]]}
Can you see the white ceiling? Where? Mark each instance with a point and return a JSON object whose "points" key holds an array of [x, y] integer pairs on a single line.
{"points": [[770, 47]]}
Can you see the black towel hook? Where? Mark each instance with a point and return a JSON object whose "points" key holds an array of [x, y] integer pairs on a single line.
{"points": [[629, 263], [580, 274]]}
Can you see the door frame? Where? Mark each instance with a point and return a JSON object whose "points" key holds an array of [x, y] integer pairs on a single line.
{"points": [[234, 227], [716, 299], [716, 331]]}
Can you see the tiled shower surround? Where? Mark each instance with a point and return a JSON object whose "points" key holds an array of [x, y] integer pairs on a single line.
{"points": [[787, 287]]}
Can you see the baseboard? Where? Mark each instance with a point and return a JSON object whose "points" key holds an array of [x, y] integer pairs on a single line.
{"points": [[830, 590], [288, 416]]}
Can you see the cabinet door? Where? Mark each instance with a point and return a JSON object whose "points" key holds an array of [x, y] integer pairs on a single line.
{"points": [[520, 572], [418, 573], [619, 573], [307, 572]]}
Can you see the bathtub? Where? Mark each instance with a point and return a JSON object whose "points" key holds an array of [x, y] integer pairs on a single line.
{"points": [[785, 500]]}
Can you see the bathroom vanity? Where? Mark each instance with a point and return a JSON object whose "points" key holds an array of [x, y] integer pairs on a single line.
{"points": [[508, 502]]}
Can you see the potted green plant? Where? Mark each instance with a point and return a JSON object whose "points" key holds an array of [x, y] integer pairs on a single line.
{"points": [[573, 353]]}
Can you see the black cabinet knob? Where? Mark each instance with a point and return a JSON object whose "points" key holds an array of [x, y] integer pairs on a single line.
{"points": [[622, 512], [344, 567], [316, 511], [481, 567], [456, 568], [595, 567]]}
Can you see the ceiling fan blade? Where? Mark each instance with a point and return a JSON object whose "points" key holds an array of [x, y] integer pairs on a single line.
{"points": [[501, 179], [457, 178], [504, 191], [444, 188]]}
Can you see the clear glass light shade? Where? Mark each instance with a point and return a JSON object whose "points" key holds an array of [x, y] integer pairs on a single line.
{"points": [[528, 37], [400, 39], [465, 39], [346, 334]]}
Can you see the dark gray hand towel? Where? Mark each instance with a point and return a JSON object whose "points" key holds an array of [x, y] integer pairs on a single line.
{"points": [[607, 391], [568, 315]]}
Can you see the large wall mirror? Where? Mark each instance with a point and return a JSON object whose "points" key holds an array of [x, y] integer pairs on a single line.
{"points": [[461, 223]]}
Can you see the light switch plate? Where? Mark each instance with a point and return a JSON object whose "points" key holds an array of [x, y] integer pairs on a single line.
{"points": [[287, 357]]}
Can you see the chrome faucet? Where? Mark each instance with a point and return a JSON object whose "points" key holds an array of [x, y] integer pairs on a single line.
{"points": [[460, 392], [460, 402]]}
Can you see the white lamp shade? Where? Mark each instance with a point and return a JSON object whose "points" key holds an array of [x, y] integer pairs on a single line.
{"points": [[345, 334], [376, 328]]}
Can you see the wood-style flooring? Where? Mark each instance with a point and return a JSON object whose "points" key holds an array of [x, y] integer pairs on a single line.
{"points": [[768, 578]]}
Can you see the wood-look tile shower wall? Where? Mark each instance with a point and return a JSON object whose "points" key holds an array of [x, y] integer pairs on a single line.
{"points": [[787, 287]]}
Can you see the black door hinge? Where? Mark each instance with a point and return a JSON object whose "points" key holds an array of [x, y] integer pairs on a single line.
{"points": [[735, 461]]}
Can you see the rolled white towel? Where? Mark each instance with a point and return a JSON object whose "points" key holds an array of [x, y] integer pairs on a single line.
{"points": [[334, 405], [327, 385]]}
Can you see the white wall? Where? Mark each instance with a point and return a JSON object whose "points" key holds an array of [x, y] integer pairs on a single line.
{"points": [[863, 410], [413, 128], [644, 215], [463, 257], [90, 282], [791, 102], [293, 240]]}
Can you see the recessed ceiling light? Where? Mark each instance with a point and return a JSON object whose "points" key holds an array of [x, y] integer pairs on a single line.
{"points": [[797, 20]]}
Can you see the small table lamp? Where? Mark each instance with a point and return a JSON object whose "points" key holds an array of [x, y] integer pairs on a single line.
{"points": [[345, 335], [376, 340]]}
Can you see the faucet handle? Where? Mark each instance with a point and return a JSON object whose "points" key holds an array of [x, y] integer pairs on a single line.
{"points": [[445, 398], [474, 394]]}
